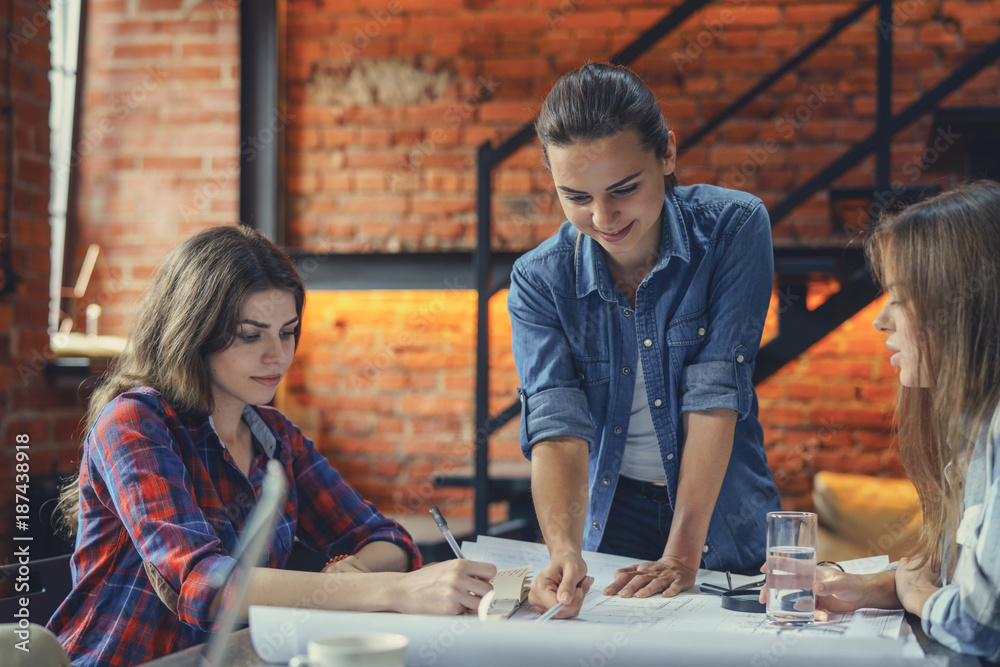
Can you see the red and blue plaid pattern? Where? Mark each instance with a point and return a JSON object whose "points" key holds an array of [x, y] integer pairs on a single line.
{"points": [[160, 492]]}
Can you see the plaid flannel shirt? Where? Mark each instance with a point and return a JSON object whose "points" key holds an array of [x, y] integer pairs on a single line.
{"points": [[162, 504]]}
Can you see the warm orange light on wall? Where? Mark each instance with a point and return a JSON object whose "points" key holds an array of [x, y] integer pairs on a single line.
{"points": [[384, 383]]}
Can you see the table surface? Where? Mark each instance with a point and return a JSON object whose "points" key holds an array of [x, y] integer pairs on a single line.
{"points": [[240, 652]]}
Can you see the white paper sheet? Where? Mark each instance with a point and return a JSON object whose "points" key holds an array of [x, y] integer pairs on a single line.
{"points": [[690, 611]]}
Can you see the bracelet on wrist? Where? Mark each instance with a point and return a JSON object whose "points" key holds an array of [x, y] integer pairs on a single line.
{"points": [[832, 563], [336, 559]]}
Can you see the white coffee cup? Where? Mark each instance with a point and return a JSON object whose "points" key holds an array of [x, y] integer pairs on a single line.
{"points": [[361, 649]]}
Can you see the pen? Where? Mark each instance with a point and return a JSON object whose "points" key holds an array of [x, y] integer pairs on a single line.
{"points": [[443, 525], [550, 613]]}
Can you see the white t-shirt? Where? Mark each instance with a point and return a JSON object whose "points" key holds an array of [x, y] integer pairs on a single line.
{"points": [[642, 459]]}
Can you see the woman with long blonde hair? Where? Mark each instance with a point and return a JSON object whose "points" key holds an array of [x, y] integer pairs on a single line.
{"points": [[939, 261], [179, 435]]}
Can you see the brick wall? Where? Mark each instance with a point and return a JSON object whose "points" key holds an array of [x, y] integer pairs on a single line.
{"points": [[387, 101], [157, 158], [392, 96], [159, 147], [31, 408], [383, 382]]}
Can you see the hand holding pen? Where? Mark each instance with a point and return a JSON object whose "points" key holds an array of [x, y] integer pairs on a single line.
{"points": [[449, 538], [560, 586], [574, 598], [453, 543]]}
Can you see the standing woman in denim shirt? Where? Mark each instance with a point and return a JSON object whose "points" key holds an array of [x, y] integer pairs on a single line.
{"points": [[635, 330]]}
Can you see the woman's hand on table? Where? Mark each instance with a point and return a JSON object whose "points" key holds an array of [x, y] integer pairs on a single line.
{"points": [[669, 574]]}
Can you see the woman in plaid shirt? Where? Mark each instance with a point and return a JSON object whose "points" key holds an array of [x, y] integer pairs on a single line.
{"points": [[179, 437]]}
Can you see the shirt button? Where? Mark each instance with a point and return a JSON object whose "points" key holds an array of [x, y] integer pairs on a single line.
{"points": [[670, 457], [627, 313], [704, 549], [701, 331], [605, 481], [647, 343], [626, 371], [657, 403], [595, 526], [739, 359], [521, 397], [618, 430]]}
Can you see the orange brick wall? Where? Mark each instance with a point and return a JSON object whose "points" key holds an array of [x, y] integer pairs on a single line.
{"points": [[391, 97], [29, 404], [383, 383], [159, 147], [387, 101]]}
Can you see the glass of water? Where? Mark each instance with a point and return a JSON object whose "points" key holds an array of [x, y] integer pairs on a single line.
{"points": [[791, 567]]}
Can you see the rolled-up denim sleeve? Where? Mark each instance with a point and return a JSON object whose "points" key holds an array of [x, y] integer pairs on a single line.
{"points": [[721, 373], [553, 403]]}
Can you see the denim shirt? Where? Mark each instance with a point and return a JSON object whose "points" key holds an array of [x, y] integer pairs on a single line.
{"points": [[964, 614], [697, 322]]}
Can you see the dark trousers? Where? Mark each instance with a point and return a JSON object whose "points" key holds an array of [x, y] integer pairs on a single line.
{"points": [[639, 522]]}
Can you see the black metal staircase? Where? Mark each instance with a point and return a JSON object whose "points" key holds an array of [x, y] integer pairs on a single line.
{"points": [[799, 328]]}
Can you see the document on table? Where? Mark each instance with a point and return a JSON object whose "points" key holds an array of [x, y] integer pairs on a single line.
{"points": [[690, 611]]}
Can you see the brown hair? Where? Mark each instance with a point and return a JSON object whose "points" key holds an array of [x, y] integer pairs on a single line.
{"points": [[598, 101], [189, 311], [944, 257]]}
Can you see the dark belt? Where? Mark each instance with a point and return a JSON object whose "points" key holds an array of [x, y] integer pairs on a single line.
{"points": [[654, 492]]}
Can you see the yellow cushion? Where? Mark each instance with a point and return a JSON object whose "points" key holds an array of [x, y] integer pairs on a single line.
{"points": [[878, 515]]}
